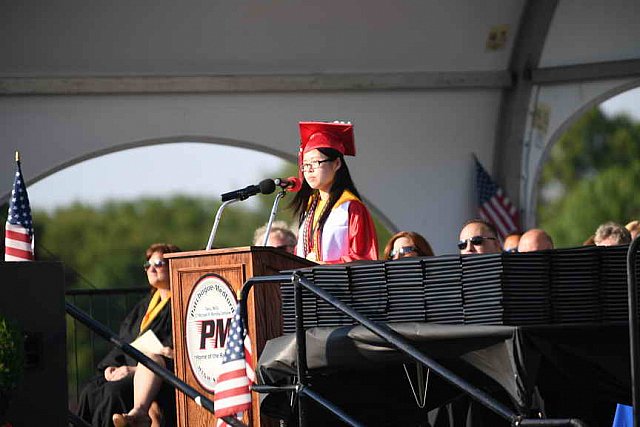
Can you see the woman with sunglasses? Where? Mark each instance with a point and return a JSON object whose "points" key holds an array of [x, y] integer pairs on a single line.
{"points": [[335, 226], [112, 391], [407, 244]]}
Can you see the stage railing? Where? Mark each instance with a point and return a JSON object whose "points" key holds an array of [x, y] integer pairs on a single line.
{"points": [[303, 389], [108, 306], [634, 344], [136, 354]]}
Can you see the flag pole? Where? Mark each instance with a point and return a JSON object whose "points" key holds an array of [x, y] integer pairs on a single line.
{"points": [[19, 238]]}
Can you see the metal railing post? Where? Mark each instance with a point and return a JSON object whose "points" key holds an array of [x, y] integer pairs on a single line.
{"points": [[301, 343], [398, 341], [634, 347]]}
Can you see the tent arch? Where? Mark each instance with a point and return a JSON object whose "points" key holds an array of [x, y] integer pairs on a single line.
{"points": [[536, 164], [176, 139], [186, 139]]}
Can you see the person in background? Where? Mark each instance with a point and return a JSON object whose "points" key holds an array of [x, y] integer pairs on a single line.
{"points": [[589, 241], [511, 242], [535, 239], [407, 244], [478, 237], [634, 228], [112, 391], [280, 236], [335, 225], [611, 234]]}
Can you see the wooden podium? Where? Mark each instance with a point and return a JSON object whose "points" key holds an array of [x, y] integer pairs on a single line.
{"points": [[233, 267]]}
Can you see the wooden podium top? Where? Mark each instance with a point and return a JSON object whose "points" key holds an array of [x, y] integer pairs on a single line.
{"points": [[239, 250]]}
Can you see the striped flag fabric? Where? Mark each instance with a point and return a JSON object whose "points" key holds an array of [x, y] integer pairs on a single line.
{"points": [[18, 235], [493, 205], [232, 392]]}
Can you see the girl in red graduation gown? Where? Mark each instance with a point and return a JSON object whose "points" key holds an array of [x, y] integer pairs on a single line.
{"points": [[335, 226]]}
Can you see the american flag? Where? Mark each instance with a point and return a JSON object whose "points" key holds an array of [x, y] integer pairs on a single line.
{"points": [[493, 205], [18, 235], [232, 393]]}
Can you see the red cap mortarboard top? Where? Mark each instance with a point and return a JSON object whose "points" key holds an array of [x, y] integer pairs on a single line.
{"points": [[336, 135]]}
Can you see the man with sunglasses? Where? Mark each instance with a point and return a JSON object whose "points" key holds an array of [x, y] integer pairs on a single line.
{"points": [[478, 237]]}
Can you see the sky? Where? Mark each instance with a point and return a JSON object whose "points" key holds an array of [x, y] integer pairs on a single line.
{"points": [[163, 170], [187, 168], [627, 102]]}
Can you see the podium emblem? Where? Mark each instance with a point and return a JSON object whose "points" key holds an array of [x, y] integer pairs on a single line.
{"points": [[211, 307]]}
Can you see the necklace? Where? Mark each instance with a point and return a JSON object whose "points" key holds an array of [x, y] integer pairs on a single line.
{"points": [[307, 230]]}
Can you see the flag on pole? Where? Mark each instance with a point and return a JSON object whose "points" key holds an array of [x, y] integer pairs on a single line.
{"points": [[18, 235], [493, 205], [232, 393]]}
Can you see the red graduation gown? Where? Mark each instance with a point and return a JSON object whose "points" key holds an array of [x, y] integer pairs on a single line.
{"points": [[348, 234]]}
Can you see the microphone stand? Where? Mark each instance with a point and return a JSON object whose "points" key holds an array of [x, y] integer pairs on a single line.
{"points": [[217, 221], [274, 210]]}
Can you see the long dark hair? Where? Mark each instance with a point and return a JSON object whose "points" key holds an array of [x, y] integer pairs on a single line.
{"points": [[341, 182]]}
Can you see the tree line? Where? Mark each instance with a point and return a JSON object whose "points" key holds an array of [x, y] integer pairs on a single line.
{"points": [[591, 176], [103, 246]]}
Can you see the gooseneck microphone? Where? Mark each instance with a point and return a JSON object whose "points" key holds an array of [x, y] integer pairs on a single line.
{"points": [[266, 186]]}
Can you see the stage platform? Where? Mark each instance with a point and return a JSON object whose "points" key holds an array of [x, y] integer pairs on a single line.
{"points": [[567, 371]]}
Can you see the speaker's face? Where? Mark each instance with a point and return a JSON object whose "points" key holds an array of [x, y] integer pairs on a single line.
{"points": [[319, 171]]}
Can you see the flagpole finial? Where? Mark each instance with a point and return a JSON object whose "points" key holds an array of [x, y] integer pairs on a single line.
{"points": [[17, 156]]}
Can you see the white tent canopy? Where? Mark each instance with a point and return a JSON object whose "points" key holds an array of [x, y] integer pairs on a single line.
{"points": [[426, 84]]}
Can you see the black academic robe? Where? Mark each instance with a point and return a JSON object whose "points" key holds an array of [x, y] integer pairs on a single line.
{"points": [[100, 399]]}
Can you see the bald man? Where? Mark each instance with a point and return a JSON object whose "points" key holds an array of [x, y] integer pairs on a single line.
{"points": [[478, 237], [511, 242], [535, 239]]}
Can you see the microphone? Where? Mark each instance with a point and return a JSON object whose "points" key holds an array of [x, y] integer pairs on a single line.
{"points": [[266, 186], [293, 183]]}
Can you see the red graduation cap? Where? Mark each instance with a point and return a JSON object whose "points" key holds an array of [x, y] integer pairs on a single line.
{"points": [[336, 135]]}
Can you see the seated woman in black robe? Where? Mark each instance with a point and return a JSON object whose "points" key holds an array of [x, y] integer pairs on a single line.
{"points": [[112, 390]]}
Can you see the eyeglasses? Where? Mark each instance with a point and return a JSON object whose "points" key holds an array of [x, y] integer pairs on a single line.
{"points": [[313, 165], [475, 241], [403, 251], [157, 264]]}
